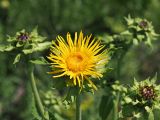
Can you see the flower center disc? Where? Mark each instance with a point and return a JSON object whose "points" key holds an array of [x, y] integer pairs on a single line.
{"points": [[75, 62], [148, 92]]}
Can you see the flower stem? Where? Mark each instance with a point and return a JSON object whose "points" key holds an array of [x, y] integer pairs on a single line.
{"points": [[78, 107], [115, 109], [36, 94], [119, 62]]}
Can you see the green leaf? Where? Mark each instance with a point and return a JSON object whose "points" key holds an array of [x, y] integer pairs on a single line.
{"points": [[154, 79], [34, 32], [40, 61], [148, 109], [37, 47], [140, 37], [9, 48], [128, 99], [11, 39], [135, 41], [148, 42], [19, 44], [137, 115], [27, 51], [17, 58], [129, 20], [42, 46], [38, 39], [150, 113], [127, 32], [106, 105]]}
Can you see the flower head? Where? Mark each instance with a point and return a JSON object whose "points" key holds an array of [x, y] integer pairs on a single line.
{"points": [[23, 36], [147, 92], [143, 24], [142, 97], [24, 43], [142, 30], [78, 59]]}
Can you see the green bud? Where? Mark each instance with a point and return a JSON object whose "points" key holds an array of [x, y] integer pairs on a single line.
{"points": [[142, 30], [143, 97], [147, 92], [24, 43]]}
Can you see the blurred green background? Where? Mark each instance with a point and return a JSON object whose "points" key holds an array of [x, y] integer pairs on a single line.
{"points": [[57, 17]]}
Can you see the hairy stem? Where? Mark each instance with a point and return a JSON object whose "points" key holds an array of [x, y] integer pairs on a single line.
{"points": [[36, 94], [78, 107]]}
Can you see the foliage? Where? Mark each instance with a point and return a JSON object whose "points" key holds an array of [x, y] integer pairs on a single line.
{"points": [[132, 42], [24, 43]]}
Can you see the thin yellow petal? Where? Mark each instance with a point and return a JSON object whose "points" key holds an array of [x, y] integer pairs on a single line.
{"points": [[78, 59]]}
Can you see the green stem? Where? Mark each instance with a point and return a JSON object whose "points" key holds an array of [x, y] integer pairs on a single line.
{"points": [[78, 107], [119, 62], [118, 68], [115, 109], [36, 94]]}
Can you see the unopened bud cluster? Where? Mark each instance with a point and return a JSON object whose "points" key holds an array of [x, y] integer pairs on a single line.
{"points": [[24, 36], [147, 92]]}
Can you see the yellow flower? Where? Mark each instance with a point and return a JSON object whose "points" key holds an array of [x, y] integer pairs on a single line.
{"points": [[79, 59]]}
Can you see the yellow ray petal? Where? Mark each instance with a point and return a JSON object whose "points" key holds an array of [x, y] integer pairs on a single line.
{"points": [[91, 83], [78, 59]]}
